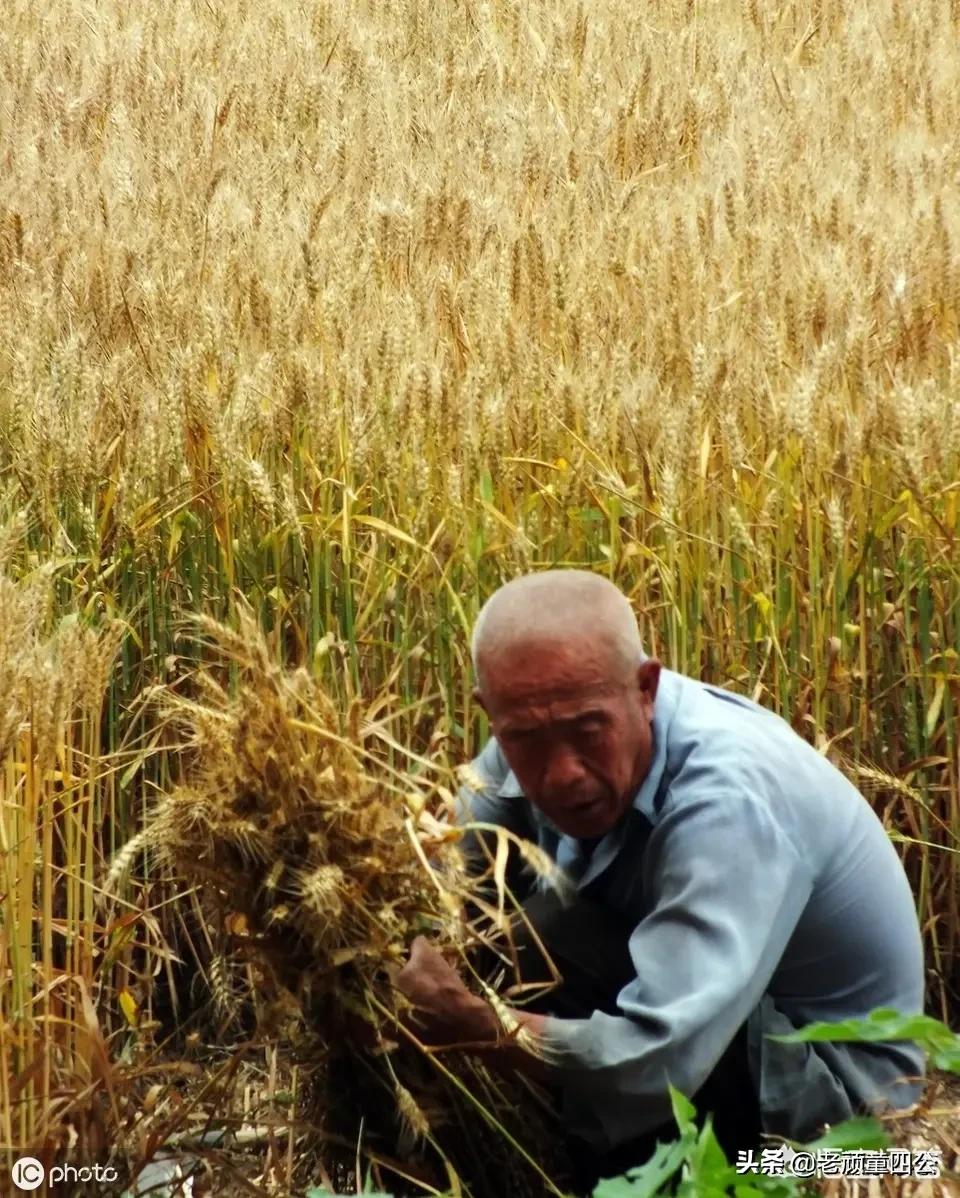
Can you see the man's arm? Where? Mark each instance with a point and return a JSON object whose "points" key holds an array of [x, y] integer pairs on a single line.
{"points": [[724, 890]]}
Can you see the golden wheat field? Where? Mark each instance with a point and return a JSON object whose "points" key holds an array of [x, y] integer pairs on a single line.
{"points": [[347, 313]]}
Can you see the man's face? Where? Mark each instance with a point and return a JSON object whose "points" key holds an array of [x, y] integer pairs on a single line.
{"points": [[575, 731]]}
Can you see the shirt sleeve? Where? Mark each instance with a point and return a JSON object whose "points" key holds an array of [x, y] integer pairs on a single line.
{"points": [[723, 890]]}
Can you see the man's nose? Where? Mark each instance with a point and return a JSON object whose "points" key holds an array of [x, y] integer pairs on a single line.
{"points": [[563, 774]]}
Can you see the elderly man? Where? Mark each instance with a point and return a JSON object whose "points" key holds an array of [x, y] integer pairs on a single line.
{"points": [[729, 881]]}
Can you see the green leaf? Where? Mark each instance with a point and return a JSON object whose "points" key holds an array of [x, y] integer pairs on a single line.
{"points": [[590, 515], [708, 1162], [706, 1172], [933, 711], [647, 1180], [619, 1187], [852, 1133], [885, 1024], [890, 517], [683, 1109], [773, 1187], [767, 1187], [321, 1192]]}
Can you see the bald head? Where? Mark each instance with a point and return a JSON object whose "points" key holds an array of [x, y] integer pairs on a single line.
{"points": [[563, 606], [569, 694]]}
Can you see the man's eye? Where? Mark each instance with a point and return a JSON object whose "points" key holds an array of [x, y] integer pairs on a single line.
{"points": [[590, 729]]}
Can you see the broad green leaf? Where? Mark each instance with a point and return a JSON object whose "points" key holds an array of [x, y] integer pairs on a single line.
{"points": [[647, 1180], [852, 1133], [883, 1023]]}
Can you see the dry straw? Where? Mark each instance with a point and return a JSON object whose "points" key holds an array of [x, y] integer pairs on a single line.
{"points": [[317, 873], [561, 204], [281, 825]]}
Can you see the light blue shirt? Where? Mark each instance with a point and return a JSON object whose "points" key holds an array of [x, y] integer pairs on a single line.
{"points": [[762, 888]]}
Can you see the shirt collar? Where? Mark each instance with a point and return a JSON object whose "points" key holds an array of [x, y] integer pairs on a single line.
{"points": [[645, 800], [665, 706]]}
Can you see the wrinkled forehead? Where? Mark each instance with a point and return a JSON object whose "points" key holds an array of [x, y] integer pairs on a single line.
{"points": [[540, 671]]}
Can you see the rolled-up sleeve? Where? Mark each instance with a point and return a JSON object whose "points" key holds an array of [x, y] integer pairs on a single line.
{"points": [[724, 889]]}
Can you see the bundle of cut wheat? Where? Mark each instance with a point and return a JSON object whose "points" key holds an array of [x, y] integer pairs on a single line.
{"points": [[321, 872]]}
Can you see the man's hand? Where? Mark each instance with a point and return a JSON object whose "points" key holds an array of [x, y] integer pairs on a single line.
{"points": [[451, 1015], [447, 1010]]}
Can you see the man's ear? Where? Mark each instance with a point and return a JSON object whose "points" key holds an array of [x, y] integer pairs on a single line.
{"points": [[648, 677]]}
